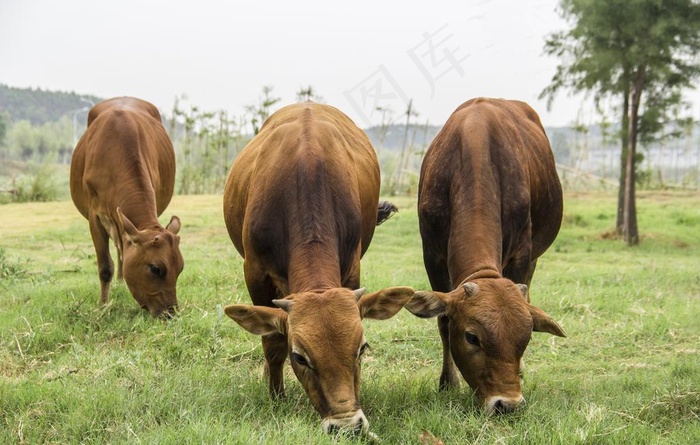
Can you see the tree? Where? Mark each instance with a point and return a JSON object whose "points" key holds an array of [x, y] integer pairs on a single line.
{"points": [[24, 140], [205, 143], [3, 131], [308, 93], [405, 149], [257, 114], [3, 127], [621, 49]]}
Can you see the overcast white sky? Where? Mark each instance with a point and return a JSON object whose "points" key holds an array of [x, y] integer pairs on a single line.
{"points": [[357, 55]]}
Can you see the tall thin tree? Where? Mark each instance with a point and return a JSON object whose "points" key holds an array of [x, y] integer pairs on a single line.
{"points": [[624, 48]]}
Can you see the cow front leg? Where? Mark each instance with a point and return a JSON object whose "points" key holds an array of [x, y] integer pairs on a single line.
{"points": [[449, 377], [105, 266], [275, 350], [262, 291]]}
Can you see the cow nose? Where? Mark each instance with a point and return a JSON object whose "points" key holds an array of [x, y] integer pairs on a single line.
{"points": [[165, 313], [503, 405], [354, 425]]}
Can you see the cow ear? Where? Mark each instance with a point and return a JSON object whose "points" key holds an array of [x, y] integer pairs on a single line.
{"points": [[259, 320], [426, 304], [541, 322], [174, 225], [131, 231], [385, 303]]}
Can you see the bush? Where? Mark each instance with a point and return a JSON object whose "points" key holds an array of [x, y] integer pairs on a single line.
{"points": [[39, 184], [10, 269]]}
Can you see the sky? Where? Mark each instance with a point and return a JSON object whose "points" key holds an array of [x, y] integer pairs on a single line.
{"points": [[357, 56]]}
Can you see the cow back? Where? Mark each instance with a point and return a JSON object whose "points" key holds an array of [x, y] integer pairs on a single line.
{"points": [[125, 159], [489, 188], [304, 192]]}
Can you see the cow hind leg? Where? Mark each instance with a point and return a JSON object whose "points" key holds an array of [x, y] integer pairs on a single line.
{"points": [[105, 266]]}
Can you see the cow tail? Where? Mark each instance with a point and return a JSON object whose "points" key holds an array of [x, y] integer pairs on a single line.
{"points": [[385, 210]]}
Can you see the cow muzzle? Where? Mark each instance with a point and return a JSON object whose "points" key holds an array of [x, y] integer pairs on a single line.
{"points": [[502, 404], [163, 312], [353, 423]]}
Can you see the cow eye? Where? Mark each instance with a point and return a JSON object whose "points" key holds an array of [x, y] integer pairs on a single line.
{"points": [[472, 339], [300, 359], [155, 270]]}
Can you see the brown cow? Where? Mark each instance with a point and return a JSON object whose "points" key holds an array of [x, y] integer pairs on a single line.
{"points": [[301, 205], [490, 203], [121, 178]]}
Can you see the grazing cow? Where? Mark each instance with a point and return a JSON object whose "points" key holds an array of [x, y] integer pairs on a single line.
{"points": [[301, 205], [489, 204], [121, 178]]}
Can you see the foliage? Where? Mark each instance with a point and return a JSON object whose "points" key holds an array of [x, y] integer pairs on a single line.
{"points": [[400, 149], [308, 93], [206, 145], [206, 142], [610, 39], [622, 49], [11, 269], [256, 114], [41, 106], [4, 118], [41, 187], [52, 141], [36, 183], [75, 372]]}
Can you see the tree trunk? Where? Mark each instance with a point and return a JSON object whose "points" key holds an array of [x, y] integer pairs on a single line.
{"points": [[399, 173], [624, 131], [630, 229]]}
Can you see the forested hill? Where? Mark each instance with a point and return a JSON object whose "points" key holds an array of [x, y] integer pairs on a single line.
{"points": [[39, 106]]}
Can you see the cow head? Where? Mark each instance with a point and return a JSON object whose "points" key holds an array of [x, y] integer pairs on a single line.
{"points": [[326, 342], [489, 324], [151, 264]]}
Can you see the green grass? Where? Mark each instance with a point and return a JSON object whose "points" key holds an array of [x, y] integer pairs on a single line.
{"points": [[74, 372]]}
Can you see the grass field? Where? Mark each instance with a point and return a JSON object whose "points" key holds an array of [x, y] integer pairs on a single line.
{"points": [[74, 372]]}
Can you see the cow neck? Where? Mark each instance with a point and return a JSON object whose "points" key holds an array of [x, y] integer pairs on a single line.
{"points": [[479, 274], [141, 215], [313, 266], [314, 257], [475, 246]]}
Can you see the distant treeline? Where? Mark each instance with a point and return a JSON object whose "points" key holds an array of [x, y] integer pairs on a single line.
{"points": [[39, 106], [39, 127]]}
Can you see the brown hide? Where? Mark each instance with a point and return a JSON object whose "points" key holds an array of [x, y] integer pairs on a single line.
{"points": [[490, 203], [300, 205], [121, 179]]}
